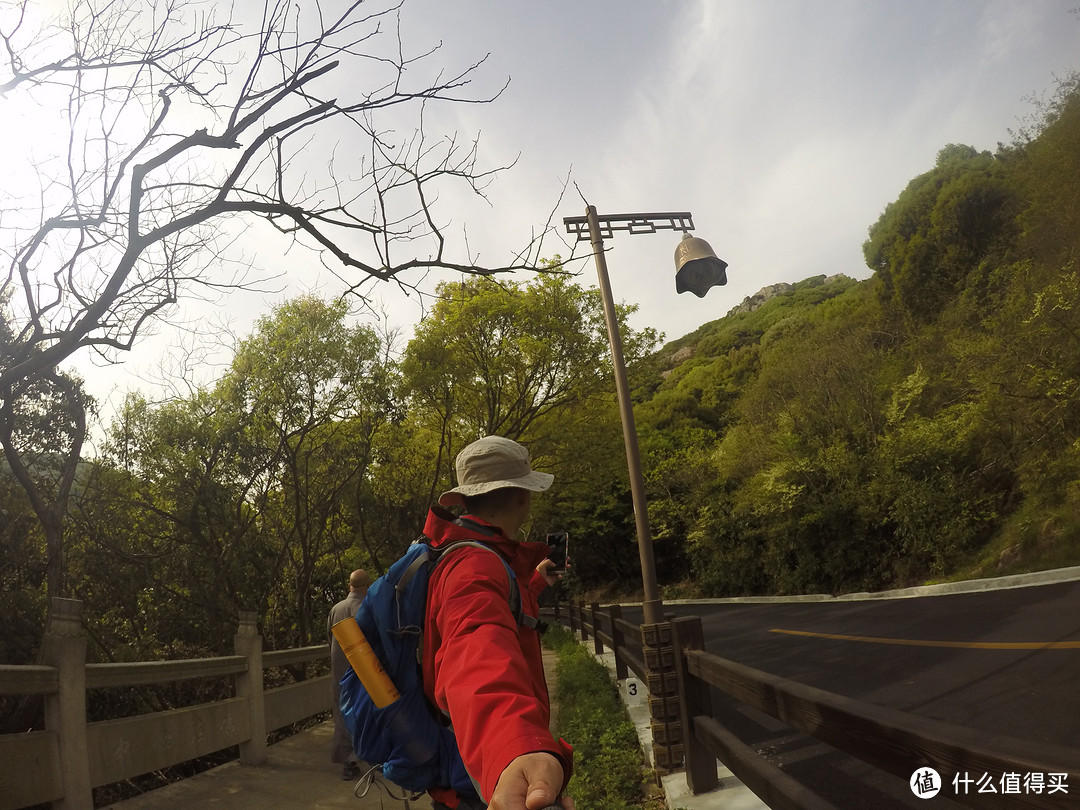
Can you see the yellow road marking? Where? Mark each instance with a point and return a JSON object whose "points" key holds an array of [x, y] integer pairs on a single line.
{"points": [[965, 645]]}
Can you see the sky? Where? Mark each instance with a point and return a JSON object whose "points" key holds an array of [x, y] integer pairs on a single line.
{"points": [[784, 127]]}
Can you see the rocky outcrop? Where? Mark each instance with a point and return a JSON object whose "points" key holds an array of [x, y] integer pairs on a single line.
{"points": [[685, 353], [670, 361], [761, 296], [781, 288]]}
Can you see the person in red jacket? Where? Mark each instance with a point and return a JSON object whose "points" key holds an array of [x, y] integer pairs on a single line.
{"points": [[482, 667]]}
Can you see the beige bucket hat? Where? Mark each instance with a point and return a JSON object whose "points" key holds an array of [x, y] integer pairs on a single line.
{"points": [[494, 463]]}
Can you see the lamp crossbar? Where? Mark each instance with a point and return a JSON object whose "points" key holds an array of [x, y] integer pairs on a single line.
{"points": [[633, 223]]}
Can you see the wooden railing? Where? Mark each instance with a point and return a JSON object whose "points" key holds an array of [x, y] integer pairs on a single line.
{"points": [[65, 761], [893, 741]]}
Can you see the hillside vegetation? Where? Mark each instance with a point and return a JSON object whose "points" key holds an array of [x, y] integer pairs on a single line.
{"points": [[832, 435], [922, 424]]}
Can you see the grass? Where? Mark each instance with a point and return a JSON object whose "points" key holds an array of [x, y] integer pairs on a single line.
{"points": [[1035, 538], [609, 768]]}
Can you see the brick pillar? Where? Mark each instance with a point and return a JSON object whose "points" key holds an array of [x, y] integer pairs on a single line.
{"points": [[64, 647], [249, 684], [660, 676]]}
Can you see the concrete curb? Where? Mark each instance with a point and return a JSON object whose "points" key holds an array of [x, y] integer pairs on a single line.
{"points": [[730, 794]]}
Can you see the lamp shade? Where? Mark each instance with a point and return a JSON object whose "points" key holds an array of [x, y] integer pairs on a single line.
{"points": [[697, 269]]}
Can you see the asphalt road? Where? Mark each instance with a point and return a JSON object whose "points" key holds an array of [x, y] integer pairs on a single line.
{"points": [[1004, 661]]}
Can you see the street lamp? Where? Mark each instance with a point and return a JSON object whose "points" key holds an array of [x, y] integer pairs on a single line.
{"points": [[697, 270]]}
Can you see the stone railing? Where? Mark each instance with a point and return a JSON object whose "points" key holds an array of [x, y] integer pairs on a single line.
{"points": [[63, 762]]}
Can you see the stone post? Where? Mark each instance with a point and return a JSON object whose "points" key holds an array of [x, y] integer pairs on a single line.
{"points": [[249, 684], [64, 647]]}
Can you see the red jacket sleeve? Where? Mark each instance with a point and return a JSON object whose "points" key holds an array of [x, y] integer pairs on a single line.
{"points": [[486, 672]]}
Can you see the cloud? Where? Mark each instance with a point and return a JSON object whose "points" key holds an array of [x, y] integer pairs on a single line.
{"points": [[785, 127]]}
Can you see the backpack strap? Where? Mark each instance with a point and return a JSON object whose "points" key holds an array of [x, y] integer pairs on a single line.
{"points": [[419, 561], [516, 606]]}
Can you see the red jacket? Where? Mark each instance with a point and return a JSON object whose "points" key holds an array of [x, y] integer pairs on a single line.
{"points": [[480, 667]]}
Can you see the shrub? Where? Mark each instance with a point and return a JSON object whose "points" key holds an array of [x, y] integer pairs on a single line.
{"points": [[609, 771]]}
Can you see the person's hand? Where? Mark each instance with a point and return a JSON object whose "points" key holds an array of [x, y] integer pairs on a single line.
{"points": [[530, 782], [544, 570]]}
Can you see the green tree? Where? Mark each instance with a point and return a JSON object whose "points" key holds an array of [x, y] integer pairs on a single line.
{"points": [[313, 392], [22, 576], [940, 229], [751, 441], [521, 360], [814, 408], [157, 157], [1046, 155], [243, 496], [170, 542], [42, 429]]}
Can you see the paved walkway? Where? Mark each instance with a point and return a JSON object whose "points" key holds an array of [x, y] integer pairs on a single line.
{"points": [[298, 774]]}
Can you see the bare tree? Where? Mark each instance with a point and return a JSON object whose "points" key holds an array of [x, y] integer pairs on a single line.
{"points": [[182, 120]]}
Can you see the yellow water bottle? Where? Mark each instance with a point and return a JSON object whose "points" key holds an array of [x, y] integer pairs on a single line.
{"points": [[365, 663]]}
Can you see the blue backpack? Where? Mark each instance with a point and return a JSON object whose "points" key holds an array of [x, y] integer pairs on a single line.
{"points": [[410, 738]]}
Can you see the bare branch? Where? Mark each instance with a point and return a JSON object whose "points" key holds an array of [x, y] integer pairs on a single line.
{"points": [[181, 120]]}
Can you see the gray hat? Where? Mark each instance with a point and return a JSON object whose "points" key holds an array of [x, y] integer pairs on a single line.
{"points": [[494, 463]]}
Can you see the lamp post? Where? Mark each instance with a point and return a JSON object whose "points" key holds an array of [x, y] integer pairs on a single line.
{"points": [[697, 270]]}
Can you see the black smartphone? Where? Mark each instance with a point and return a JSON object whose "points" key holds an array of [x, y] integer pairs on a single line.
{"points": [[558, 541]]}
